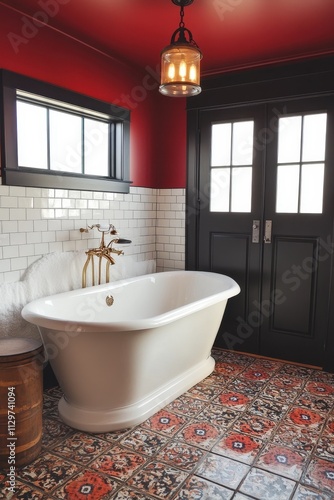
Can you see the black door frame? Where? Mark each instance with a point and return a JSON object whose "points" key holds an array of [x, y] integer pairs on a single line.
{"points": [[311, 78]]}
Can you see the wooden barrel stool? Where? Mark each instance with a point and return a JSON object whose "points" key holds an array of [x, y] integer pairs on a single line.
{"points": [[21, 401]]}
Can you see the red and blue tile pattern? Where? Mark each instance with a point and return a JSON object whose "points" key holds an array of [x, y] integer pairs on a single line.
{"points": [[255, 429]]}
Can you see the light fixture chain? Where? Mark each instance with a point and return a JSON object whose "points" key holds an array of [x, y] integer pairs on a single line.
{"points": [[181, 25]]}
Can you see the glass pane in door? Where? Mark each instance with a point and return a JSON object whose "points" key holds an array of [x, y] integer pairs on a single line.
{"points": [[289, 137], [314, 137], [220, 190], [241, 189], [287, 189], [301, 168], [231, 166], [312, 185], [242, 145], [221, 144]]}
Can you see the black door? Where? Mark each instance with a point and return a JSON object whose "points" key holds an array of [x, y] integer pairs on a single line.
{"points": [[265, 219]]}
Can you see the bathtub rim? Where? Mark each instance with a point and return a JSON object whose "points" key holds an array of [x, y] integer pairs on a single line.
{"points": [[30, 314]]}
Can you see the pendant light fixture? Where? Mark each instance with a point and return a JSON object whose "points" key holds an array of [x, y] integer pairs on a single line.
{"points": [[180, 61]]}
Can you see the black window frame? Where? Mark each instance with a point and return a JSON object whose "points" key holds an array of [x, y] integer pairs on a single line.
{"points": [[119, 126]]}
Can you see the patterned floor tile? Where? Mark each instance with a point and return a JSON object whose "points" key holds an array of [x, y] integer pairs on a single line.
{"points": [[217, 353], [204, 391], [249, 388], [166, 422], [304, 493], [329, 427], [320, 475], [113, 436], [241, 496], [325, 447], [306, 418], [81, 447], [255, 426], [55, 392], [282, 460], [256, 374], [118, 463], [186, 405], [220, 416], [49, 404], [158, 479], [284, 381], [229, 370], [319, 388], [53, 431], [222, 470], [21, 491], [129, 494], [48, 471], [266, 364], [321, 376], [322, 404], [296, 371], [216, 379], [235, 357], [200, 433], [87, 485], [264, 485], [282, 394], [233, 399], [239, 447], [267, 408], [298, 437], [197, 488], [180, 455], [144, 441]]}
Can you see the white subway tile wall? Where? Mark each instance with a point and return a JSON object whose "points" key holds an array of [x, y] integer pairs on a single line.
{"points": [[170, 229], [35, 222]]}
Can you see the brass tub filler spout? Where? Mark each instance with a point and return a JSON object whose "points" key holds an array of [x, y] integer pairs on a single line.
{"points": [[102, 252]]}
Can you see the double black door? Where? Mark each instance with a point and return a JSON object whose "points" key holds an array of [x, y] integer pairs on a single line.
{"points": [[265, 197]]}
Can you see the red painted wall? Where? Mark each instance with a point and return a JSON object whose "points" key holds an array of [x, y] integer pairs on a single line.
{"points": [[158, 130]]}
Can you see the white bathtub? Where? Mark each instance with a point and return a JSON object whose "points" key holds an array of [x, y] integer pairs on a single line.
{"points": [[119, 364]]}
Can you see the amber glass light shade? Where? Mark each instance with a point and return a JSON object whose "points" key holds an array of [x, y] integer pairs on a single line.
{"points": [[180, 70]]}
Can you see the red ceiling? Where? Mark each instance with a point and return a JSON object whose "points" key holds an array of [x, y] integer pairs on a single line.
{"points": [[231, 33]]}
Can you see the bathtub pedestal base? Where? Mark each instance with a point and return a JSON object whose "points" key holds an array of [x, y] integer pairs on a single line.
{"points": [[129, 416]]}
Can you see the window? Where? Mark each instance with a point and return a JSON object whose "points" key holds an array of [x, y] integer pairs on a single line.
{"points": [[300, 169], [231, 166], [57, 138]]}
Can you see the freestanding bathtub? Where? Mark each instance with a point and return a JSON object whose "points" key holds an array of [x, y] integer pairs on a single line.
{"points": [[123, 350]]}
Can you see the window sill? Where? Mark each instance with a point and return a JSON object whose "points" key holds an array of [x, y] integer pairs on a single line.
{"points": [[62, 180]]}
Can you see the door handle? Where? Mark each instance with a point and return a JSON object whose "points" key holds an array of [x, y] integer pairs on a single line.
{"points": [[268, 231], [256, 231]]}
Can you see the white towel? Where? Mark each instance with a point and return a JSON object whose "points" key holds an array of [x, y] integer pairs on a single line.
{"points": [[54, 273]]}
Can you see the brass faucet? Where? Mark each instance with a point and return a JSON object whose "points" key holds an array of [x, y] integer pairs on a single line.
{"points": [[102, 252]]}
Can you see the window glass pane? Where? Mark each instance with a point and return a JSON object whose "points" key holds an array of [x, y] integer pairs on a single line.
{"points": [[289, 139], [242, 149], [221, 144], [220, 190], [287, 189], [241, 189], [314, 137], [96, 147], [312, 184], [65, 142], [32, 135]]}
